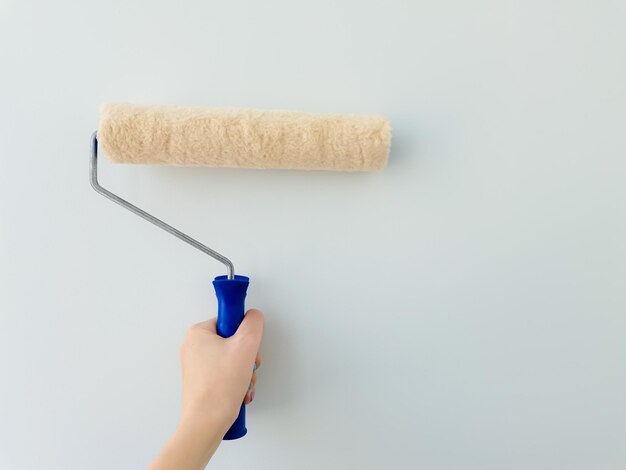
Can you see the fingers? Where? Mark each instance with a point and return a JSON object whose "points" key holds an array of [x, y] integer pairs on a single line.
{"points": [[252, 387], [248, 340], [249, 397], [251, 390]]}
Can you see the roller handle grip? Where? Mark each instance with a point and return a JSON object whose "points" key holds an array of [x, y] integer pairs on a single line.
{"points": [[231, 296]]}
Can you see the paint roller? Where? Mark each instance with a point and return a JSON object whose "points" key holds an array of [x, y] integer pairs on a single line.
{"points": [[234, 138]]}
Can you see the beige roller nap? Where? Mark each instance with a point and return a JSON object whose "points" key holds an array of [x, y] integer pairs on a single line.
{"points": [[243, 138]]}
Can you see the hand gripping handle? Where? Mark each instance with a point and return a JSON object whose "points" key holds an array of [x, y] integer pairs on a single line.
{"points": [[231, 296]]}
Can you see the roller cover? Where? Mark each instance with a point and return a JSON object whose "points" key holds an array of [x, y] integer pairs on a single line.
{"points": [[243, 138]]}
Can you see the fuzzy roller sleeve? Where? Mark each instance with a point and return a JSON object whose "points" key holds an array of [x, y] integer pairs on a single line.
{"points": [[243, 138]]}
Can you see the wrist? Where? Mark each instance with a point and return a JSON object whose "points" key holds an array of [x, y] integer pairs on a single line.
{"points": [[195, 440], [207, 421]]}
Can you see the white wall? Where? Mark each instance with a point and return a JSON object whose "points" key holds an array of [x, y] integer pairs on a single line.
{"points": [[464, 309]]}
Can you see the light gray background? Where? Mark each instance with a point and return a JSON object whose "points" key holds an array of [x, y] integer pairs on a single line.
{"points": [[464, 309]]}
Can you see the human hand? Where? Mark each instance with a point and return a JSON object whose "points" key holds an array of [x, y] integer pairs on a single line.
{"points": [[218, 372], [218, 376]]}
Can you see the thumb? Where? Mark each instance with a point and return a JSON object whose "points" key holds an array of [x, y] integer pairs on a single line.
{"points": [[250, 332]]}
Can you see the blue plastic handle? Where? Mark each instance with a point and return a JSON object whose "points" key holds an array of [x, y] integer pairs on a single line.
{"points": [[231, 297]]}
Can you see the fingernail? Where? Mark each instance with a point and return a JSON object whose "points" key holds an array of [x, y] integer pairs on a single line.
{"points": [[252, 396], [253, 367]]}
